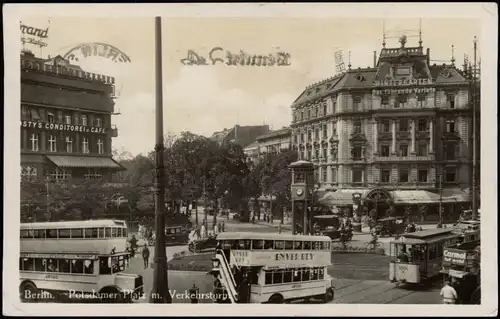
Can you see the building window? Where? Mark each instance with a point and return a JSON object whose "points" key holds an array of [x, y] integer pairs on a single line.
{"points": [[357, 176], [325, 131], [98, 122], [334, 105], [325, 109], [334, 128], [325, 152], [50, 117], [402, 101], [302, 115], [325, 177], [385, 176], [52, 143], [309, 136], [386, 126], [403, 125], [334, 175], [69, 144], [421, 100], [450, 151], [422, 175], [67, 119], [92, 175], [450, 174], [302, 155], [60, 175], [302, 138], [422, 125], [83, 120], [357, 127], [317, 111], [316, 134], [403, 150], [34, 142], [357, 104], [28, 172], [422, 149], [357, 152], [384, 101], [384, 150], [309, 155], [451, 100], [85, 145], [404, 175], [450, 126], [316, 154], [100, 146]]}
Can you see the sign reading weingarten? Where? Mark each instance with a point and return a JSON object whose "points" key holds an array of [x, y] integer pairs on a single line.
{"points": [[63, 127]]}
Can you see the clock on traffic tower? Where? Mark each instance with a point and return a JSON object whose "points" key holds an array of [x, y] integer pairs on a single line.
{"points": [[302, 193]]}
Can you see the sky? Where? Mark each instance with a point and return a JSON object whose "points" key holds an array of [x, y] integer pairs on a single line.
{"points": [[208, 98]]}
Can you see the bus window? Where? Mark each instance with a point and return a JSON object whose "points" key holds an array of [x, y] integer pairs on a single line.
{"points": [[77, 233], [101, 232], [88, 267], [27, 264], [119, 232], [316, 245], [168, 231], [269, 277], [51, 233], [287, 275], [40, 264], [278, 277], [297, 245], [314, 274], [242, 244], [26, 233], [64, 233], [254, 278], [433, 252], [279, 244], [52, 265], [328, 245], [297, 275], [39, 233], [268, 244], [77, 266], [107, 232], [306, 274], [113, 232], [90, 232], [257, 244], [125, 232], [234, 244], [288, 244], [64, 265], [321, 273], [104, 266], [307, 245]]}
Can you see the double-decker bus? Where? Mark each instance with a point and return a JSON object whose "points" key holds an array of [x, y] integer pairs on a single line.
{"points": [[280, 267], [416, 257], [77, 260]]}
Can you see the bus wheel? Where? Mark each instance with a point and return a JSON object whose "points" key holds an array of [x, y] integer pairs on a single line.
{"points": [[28, 292], [276, 298], [329, 295]]}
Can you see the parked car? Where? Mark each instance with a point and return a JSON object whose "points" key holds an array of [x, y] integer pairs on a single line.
{"points": [[197, 246]]}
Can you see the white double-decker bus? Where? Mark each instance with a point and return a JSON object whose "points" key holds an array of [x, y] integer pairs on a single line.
{"points": [[78, 260], [281, 268]]}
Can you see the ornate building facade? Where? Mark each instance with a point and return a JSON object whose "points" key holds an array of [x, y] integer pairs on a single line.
{"points": [[66, 128], [403, 124]]}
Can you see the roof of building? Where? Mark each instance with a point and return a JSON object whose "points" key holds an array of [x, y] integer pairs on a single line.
{"points": [[281, 132], [364, 78], [240, 135], [254, 145]]}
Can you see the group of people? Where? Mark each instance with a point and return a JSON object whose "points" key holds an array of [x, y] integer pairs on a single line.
{"points": [[201, 231]]}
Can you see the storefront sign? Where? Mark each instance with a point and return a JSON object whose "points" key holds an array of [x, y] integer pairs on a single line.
{"points": [[455, 257], [63, 127], [403, 91], [294, 256], [403, 82]]}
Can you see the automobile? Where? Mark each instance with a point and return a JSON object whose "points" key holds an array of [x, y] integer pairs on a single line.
{"points": [[242, 216], [328, 225], [390, 226], [198, 245]]}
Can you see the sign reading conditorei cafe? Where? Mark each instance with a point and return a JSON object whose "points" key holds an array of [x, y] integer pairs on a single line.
{"points": [[63, 127]]}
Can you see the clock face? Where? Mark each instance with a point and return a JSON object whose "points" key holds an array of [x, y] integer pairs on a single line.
{"points": [[299, 191]]}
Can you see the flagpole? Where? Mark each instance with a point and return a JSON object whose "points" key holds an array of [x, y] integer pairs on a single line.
{"points": [[159, 293]]}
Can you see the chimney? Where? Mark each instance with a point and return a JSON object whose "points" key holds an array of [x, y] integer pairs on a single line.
{"points": [[428, 56], [374, 59]]}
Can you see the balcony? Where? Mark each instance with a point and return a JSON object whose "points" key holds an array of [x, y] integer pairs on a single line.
{"points": [[385, 135], [422, 135], [114, 131], [403, 135]]}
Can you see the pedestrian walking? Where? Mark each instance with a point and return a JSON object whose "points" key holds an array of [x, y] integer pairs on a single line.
{"points": [[145, 256], [279, 228], [448, 293], [223, 225], [203, 231], [216, 229]]}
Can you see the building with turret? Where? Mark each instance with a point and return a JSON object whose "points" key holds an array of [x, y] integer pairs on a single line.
{"points": [[400, 131]]}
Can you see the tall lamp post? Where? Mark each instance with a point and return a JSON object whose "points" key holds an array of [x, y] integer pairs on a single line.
{"points": [[159, 293]]}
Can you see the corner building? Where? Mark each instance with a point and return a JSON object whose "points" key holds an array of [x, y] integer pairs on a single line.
{"points": [[400, 130], [66, 128]]}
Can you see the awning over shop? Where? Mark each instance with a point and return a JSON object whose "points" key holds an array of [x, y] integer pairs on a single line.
{"points": [[456, 195], [84, 162], [414, 197], [339, 197]]}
